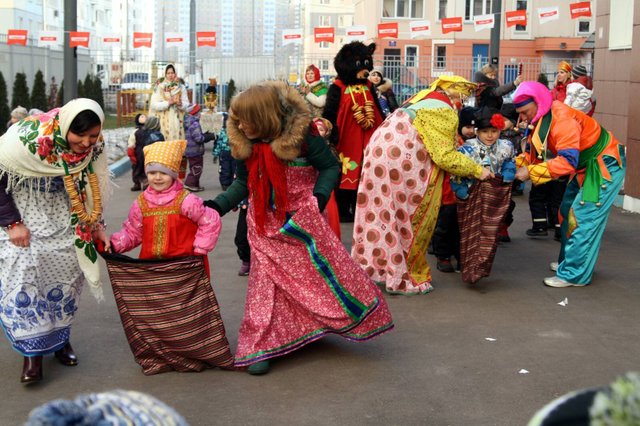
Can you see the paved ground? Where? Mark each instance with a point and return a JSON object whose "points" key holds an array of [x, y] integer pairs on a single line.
{"points": [[435, 368]]}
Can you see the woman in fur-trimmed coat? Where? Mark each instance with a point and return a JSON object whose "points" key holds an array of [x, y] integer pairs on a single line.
{"points": [[303, 284]]}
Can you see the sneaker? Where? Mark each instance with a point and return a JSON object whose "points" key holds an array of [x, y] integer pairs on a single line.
{"points": [[537, 232], [444, 265], [261, 367], [558, 282], [244, 269], [553, 266]]}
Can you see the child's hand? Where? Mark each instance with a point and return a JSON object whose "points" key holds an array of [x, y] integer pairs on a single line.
{"points": [[101, 240], [486, 174]]}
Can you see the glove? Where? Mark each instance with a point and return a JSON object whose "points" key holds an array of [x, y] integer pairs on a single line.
{"points": [[322, 201], [213, 205]]}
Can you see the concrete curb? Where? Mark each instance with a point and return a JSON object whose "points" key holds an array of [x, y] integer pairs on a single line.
{"points": [[120, 166]]}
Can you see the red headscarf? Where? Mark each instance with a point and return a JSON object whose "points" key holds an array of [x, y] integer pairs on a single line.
{"points": [[316, 74]]}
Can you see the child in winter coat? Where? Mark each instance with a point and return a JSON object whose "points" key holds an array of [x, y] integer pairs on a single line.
{"points": [[137, 167], [195, 147], [482, 206], [172, 223], [580, 91]]}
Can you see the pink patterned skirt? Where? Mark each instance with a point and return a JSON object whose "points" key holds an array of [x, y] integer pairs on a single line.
{"points": [[397, 207], [303, 284]]}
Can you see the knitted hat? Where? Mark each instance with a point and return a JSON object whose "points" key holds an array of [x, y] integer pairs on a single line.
{"points": [[117, 407], [379, 70], [164, 157], [466, 118], [564, 66], [579, 71]]}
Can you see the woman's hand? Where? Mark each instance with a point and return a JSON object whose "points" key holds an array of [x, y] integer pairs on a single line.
{"points": [[522, 174], [19, 235], [518, 80]]}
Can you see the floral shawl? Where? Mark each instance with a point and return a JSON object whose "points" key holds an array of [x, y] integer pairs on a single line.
{"points": [[35, 150]]}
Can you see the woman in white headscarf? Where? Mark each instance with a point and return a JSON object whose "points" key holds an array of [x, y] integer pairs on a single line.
{"points": [[52, 174], [169, 103]]}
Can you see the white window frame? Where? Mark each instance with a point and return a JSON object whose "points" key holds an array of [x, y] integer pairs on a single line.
{"points": [[486, 6], [325, 20], [415, 58], [410, 10], [437, 9], [323, 64], [527, 31], [621, 24], [343, 18], [325, 1], [583, 33], [323, 45]]}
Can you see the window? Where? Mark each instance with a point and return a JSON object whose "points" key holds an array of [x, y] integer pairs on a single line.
{"points": [[476, 7], [621, 24], [442, 9], [584, 27], [325, 21], [521, 5], [345, 21], [324, 45], [324, 64], [441, 57], [402, 9], [411, 56], [325, 1]]}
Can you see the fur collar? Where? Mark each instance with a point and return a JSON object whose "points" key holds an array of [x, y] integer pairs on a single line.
{"points": [[384, 85], [295, 127]]}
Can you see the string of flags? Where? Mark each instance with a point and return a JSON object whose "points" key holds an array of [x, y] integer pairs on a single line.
{"points": [[417, 29]]}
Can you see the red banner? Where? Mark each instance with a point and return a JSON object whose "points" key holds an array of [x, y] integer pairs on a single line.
{"points": [[450, 25], [516, 17], [142, 39], [579, 9], [388, 29], [78, 38], [206, 38], [321, 34], [17, 37]]}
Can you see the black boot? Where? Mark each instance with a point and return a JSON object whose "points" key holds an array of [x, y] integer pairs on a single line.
{"points": [[66, 356], [31, 369]]}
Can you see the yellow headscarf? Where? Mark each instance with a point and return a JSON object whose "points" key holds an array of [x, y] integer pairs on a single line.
{"points": [[449, 83]]}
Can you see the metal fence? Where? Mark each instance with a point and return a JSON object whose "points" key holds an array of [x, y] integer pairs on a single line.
{"points": [[409, 74]]}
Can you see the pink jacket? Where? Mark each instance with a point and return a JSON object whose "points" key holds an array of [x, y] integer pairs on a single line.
{"points": [[208, 220]]}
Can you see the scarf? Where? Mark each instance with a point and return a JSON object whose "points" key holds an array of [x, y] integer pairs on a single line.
{"points": [[35, 150], [267, 172]]}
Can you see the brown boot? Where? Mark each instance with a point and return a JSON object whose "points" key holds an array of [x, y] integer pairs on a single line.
{"points": [[31, 369], [66, 356]]}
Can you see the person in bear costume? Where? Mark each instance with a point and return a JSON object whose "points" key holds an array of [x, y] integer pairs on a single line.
{"points": [[353, 109]]}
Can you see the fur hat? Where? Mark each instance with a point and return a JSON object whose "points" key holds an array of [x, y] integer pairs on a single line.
{"points": [[164, 156], [564, 66], [488, 117], [579, 71]]}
